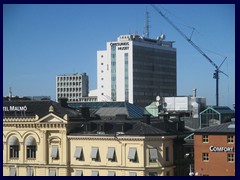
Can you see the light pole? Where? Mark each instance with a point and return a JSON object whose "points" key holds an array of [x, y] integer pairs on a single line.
{"points": [[190, 156]]}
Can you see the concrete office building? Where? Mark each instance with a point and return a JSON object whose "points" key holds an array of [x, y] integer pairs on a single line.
{"points": [[73, 87], [136, 69]]}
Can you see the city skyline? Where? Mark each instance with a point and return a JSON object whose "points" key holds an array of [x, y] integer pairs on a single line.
{"points": [[44, 41]]}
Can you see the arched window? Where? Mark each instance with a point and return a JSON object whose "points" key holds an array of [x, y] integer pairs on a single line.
{"points": [[31, 147], [13, 147]]}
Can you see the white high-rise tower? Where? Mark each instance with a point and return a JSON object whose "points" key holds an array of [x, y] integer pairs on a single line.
{"points": [[136, 69]]}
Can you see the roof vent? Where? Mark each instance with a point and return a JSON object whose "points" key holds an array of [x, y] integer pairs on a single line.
{"points": [[51, 109]]}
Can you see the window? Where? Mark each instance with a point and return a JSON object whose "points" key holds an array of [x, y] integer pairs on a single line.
{"points": [[230, 157], [153, 156], [111, 156], [55, 152], [167, 153], [95, 154], [30, 171], [230, 139], [79, 173], [13, 147], [52, 172], [13, 172], [132, 174], [14, 152], [78, 153], [153, 174], [111, 173], [132, 154], [31, 152], [95, 173], [205, 156], [30, 144], [205, 138]]}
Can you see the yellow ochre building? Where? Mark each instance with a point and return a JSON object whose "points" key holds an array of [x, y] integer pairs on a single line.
{"points": [[46, 138]]}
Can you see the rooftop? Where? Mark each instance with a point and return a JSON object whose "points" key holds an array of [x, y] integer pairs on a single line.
{"points": [[218, 129]]}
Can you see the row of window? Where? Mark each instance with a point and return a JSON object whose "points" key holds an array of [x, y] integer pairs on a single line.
{"points": [[30, 144], [53, 172], [68, 89], [230, 139], [69, 95], [69, 78], [111, 154], [31, 149], [230, 157], [69, 84]]}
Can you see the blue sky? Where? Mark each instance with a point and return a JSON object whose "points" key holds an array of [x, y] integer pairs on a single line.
{"points": [[43, 41]]}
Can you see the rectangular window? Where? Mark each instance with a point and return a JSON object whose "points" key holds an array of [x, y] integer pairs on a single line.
{"points": [[79, 173], [205, 156], [132, 154], [95, 154], [78, 153], [153, 174], [13, 172], [205, 138], [111, 173], [31, 152], [14, 151], [132, 174], [111, 154], [230, 139], [230, 157], [29, 171], [95, 173], [52, 172], [167, 153], [153, 154], [54, 152]]}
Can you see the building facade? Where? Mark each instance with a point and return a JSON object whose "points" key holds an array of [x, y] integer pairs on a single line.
{"points": [[74, 86], [45, 138], [136, 69], [214, 150]]}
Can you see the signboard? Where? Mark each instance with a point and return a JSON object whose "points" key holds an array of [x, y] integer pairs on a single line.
{"points": [[221, 149], [14, 108]]}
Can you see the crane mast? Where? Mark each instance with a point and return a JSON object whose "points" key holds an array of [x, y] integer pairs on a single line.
{"points": [[217, 68]]}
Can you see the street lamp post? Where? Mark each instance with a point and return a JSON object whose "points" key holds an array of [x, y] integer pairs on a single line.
{"points": [[190, 156]]}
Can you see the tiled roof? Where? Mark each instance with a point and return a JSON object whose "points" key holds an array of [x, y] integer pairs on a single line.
{"points": [[218, 129]]}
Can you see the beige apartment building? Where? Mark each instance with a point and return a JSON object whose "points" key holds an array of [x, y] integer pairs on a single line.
{"points": [[45, 138]]}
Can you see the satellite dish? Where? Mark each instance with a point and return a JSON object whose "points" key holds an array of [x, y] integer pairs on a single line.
{"points": [[158, 98], [163, 36]]}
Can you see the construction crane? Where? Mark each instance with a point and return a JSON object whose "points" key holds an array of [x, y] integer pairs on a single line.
{"points": [[217, 68]]}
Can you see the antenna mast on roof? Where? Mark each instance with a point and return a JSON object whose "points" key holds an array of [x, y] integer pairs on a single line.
{"points": [[146, 26], [10, 93]]}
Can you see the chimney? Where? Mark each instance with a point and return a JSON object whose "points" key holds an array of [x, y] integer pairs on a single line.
{"points": [[63, 102], [146, 119], [85, 112]]}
